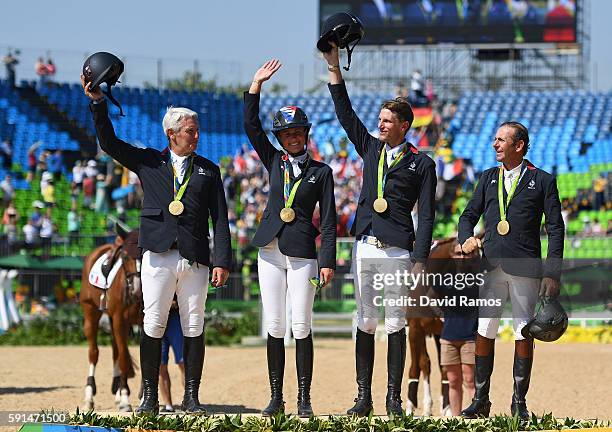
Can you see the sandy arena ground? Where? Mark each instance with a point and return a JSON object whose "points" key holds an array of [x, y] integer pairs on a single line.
{"points": [[569, 379]]}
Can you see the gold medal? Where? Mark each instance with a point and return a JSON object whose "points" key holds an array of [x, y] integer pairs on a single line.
{"points": [[503, 227], [287, 214], [380, 205], [176, 207]]}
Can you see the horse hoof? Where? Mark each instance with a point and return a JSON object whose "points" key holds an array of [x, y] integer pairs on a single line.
{"points": [[126, 408], [88, 406]]}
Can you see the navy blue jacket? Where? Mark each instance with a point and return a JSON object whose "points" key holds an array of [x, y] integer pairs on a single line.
{"points": [[519, 252], [295, 239], [203, 199], [412, 179]]}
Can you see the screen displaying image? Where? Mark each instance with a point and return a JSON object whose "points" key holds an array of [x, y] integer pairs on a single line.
{"points": [[397, 22]]}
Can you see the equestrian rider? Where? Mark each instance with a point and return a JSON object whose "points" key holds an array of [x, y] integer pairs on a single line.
{"points": [[287, 259], [182, 190]]}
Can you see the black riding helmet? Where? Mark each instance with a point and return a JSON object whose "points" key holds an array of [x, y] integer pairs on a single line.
{"points": [[343, 29], [290, 117], [103, 67], [549, 324]]}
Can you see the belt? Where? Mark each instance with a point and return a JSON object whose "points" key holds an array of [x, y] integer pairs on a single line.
{"points": [[371, 240]]}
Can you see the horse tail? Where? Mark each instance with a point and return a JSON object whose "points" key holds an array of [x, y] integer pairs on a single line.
{"points": [[130, 365]]}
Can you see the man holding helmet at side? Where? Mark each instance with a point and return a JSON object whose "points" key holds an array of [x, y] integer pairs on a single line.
{"points": [[396, 175], [182, 190], [512, 198]]}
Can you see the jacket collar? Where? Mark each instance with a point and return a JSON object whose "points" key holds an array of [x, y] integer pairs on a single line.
{"points": [[530, 172]]}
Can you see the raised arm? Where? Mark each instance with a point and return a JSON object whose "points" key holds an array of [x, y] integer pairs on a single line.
{"points": [[252, 124], [357, 132], [124, 153]]}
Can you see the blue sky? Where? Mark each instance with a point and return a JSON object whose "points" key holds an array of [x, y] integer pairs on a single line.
{"points": [[230, 38]]}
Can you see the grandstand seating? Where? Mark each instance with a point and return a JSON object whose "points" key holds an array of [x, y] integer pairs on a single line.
{"points": [[584, 248], [570, 183], [220, 115], [570, 136], [24, 125], [569, 131]]}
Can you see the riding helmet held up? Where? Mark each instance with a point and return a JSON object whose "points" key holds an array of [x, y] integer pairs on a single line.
{"points": [[103, 67], [343, 29]]}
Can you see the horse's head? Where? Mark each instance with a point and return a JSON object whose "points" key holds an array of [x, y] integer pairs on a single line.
{"points": [[130, 254]]}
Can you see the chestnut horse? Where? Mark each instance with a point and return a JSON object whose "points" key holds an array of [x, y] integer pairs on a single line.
{"points": [[418, 330], [123, 304]]}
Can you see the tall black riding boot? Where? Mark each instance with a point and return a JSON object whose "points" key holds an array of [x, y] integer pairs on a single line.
{"points": [[304, 357], [276, 371], [396, 359], [522, 376], [150, 358], [364, 365], [193, 355], [481, 406]]}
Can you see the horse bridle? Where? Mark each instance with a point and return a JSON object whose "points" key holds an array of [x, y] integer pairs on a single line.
{"points": [[130, 293]]}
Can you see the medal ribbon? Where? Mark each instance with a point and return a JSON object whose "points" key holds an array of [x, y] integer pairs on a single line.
{"points": [[381, 163], [178, 186], [289, 191], [500, 192]]}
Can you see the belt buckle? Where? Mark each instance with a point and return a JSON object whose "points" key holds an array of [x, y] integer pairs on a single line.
{"points": [[380, 245], [365, 239]]}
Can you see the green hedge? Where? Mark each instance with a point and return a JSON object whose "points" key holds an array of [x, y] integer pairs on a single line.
{"points": [[64, 326], [332, 424]]}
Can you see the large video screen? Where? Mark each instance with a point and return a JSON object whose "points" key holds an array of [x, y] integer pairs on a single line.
{"points": [[397, 22]]}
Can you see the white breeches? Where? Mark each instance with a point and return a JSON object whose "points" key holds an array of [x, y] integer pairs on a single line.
{"points": [[279, 274], [163, 275]]}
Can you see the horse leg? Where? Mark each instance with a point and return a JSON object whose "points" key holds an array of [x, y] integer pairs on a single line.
{"points": [[445, 410], [120, 334], [116, 384], [91, 322], [415, 370], [426, 371]]}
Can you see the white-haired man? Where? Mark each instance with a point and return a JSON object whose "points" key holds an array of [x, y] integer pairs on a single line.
{"points": [[181, 191]]}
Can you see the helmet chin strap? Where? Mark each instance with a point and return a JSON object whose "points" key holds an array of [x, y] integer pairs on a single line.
{"points": [[349, 53], [108, 93]]}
